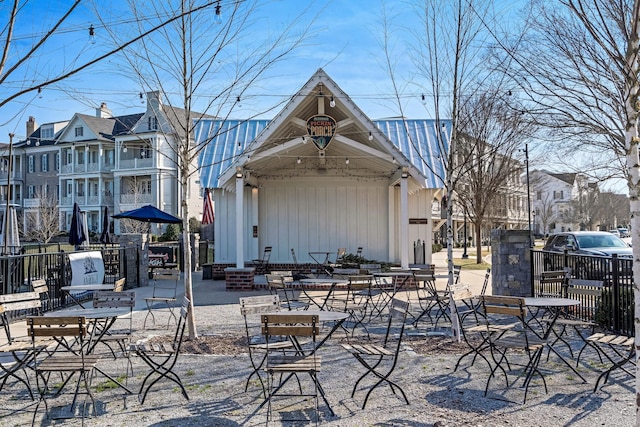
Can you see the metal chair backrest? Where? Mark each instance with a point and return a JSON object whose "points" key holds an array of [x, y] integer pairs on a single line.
{"points": [[113, 299], [59, 328], [14, 304], [165, 283], [259, 304], [287, 325], [589, 293], [553, 282], [266, 255], [505, 305], [41, 288], [398, 310]]}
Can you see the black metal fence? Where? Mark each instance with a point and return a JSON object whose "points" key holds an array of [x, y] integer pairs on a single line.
{"points": [[18, 271], [615, 310]]}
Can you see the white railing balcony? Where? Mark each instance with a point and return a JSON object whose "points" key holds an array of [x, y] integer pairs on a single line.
{"points": [[136, 163], [67, 200], [66, 168], [94, 200], [135, 198], [93, 167]]}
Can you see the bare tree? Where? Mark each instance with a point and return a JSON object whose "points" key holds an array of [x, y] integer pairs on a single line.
{"points": [[43, 223], [491, 132], [203, 71], [579, 68], [544, 212], [21, 70], [448, 58]]}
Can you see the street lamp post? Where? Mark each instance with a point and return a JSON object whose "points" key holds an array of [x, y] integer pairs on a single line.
{"points": [[526, 162], [464, 243], [5, 236]]}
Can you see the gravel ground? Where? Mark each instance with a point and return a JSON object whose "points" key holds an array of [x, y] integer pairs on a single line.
{"points": [[437, 395]]}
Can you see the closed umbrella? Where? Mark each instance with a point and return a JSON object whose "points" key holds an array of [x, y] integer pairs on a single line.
{"points": [[10, 237], [105, 237], [76, 232]]}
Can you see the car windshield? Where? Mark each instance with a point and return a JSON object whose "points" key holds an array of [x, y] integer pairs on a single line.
{"points": [[603, 241]]}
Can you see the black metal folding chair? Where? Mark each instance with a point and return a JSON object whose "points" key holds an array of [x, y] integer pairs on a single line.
{"points": [[68, 358], [280, 283], [381, 359], [520, 340], [620, 350], [19, 352], [162, 358], [274, 328], [165, 291], [250, 308], [262, 264]]}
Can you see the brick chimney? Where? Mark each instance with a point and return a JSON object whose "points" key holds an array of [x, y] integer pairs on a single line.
{"points": [[103, 112], [31, 126]]}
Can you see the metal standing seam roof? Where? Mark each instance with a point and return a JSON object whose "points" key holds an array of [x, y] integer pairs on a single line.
{"points": [[226, 140]]}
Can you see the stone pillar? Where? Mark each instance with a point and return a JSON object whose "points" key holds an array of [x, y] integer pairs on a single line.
{"points": [[510, 263], [239, 279], [137, 258]]}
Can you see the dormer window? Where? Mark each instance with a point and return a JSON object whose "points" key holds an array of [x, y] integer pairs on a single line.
{"points": [[79, 131], [153, 123]]}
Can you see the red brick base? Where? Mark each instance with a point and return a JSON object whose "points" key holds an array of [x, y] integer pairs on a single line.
{"points": [[239, 279]]}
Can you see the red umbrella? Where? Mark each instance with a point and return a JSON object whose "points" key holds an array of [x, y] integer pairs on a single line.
{"points": [[207, 212]]}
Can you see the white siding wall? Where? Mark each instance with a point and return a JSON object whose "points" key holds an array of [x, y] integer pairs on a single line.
{"points": [[308, 215], [311, 215]]}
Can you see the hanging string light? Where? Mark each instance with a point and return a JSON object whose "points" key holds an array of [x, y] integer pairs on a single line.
{"points": [[218, 17], [92, 34]]}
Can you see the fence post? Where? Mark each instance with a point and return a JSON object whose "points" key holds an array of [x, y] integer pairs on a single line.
{"points": [[615, 290]]}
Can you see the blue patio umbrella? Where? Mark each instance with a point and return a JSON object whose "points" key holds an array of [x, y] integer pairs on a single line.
{"points": [[76, 232], [105, 237], [149, 213]]}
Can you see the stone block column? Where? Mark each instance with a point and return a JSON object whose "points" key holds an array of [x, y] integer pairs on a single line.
{"points": [[511, 263]]}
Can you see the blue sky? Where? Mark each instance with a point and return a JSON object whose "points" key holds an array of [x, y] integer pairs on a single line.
{"points": [[345, 41]]}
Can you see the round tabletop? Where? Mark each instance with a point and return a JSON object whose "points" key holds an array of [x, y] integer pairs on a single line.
{"points": [[394, 273], [91, 313], [323, 316], [550, 302], [320, 281]]}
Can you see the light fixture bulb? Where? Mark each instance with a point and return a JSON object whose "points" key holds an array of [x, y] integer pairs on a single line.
{"points": [[141, 98], [38, 143], [218, 18], [304, 140], [346, 161], [299, 160], [370, 136], [332, 102], [124, 148], [92, 34]]}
